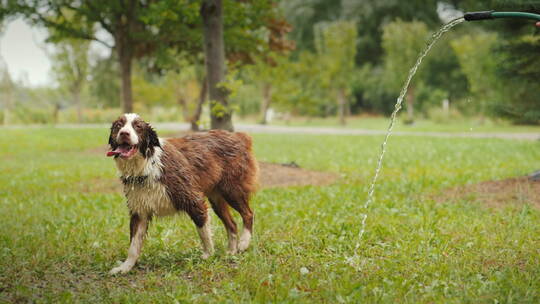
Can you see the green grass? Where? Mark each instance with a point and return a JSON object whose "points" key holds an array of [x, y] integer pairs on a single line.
{"points": [[62, 229], [464, 125]]}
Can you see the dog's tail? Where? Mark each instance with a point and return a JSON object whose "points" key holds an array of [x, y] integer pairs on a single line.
{"points": [[246, 139], [252, 176]]}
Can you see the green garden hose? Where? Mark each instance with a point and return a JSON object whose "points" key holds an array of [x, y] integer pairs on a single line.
{"points": [[474, 16]]}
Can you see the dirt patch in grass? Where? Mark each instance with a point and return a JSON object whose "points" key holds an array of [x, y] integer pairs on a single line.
{"points": [[278, 175], [520, 190]]}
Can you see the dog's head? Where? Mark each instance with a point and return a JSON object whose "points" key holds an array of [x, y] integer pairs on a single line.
{"points": [[129, 135]]}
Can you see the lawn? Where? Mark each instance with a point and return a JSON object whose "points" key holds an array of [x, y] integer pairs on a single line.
{"points": [[63, 227]]}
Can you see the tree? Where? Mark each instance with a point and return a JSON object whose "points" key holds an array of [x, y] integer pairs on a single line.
{"points": [[6, 86], [240, 26], [104, 83], [336, 47], [130, 23], [402, 42], [370, 18], [270, 69], [271, 75], [479, 66], [515, 56], [6, 92], [214, 50], [71, 68]]}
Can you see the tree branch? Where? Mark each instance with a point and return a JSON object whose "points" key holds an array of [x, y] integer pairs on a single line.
{"points": [[70, 30]]}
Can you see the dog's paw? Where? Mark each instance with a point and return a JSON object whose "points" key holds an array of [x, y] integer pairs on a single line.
{"points": [[206, 255], [243, 244], [120, 269], [232, 251]]}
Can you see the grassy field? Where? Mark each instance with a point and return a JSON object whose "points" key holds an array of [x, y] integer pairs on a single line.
{"points": [[63, 227]]}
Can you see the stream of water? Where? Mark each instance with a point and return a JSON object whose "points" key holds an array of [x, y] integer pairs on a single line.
{"points": [[397, 107]]}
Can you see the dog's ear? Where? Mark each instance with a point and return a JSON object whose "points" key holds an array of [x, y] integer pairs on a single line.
{"points": [[112, 142], [149, 142]]}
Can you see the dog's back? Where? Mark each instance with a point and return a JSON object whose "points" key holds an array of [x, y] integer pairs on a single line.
{"points": [[219, 160]]}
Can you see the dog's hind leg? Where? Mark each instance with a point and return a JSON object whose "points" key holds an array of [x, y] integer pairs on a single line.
{"points": [[138, 227], [240, 202], [221, 208], [201, 218]]}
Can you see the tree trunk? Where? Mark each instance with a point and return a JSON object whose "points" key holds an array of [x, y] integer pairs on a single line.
{"points": [[198, 110], [8, 106], [7, 87], [266, 100], [185, 109], [125, 59], [342, 103], [126, 93], [410, 105], [56, 113], [214, 51], [77, 98]]}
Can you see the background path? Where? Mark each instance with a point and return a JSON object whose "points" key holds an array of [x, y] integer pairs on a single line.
{"points": [[254, 128]]}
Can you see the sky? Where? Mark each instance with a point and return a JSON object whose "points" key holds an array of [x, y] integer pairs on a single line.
{"points": [[22, 49]]}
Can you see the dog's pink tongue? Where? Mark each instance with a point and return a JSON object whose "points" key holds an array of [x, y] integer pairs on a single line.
{"points": [[112, 153], [117, 151]]}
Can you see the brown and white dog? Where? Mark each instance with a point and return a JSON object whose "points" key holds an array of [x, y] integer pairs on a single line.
{"points": [[164, 176]]}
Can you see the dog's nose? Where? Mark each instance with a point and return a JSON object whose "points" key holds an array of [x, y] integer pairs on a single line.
{"points": [[124, 134]]}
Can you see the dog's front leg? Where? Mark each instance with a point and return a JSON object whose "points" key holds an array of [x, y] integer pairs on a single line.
{"points": [[138, 227], [201, 218]]}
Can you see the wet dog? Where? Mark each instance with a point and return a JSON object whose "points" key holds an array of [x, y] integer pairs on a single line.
{"points": [[165, 176]]}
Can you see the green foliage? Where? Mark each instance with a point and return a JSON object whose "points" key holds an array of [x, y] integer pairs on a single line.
{"points": [[218, 109], [402, 43], [276, 72], [70, 63], [370, 17], [104, 84], [336, 46], [479, 66], [517, 68], [371, 91], [70, 69], [429, 97], [440, 116]]}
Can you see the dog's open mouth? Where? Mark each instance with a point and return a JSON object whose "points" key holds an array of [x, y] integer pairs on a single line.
{"points": [[124, 151]]}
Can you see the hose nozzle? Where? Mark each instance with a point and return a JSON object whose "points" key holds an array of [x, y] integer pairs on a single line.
{"points": [[473, 16]]}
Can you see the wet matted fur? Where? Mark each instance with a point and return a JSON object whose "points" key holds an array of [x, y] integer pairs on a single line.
{"points": [[165, 176]]}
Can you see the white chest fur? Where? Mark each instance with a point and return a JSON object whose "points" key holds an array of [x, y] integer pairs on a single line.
{"points": [[148, 199]]}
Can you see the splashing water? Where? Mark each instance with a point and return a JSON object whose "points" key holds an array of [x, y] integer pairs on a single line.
{"points": [[397, 107]]}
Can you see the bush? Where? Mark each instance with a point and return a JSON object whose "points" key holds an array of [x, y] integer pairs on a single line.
{"points": [[438, 115], [161, 114], [32, 115]]}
